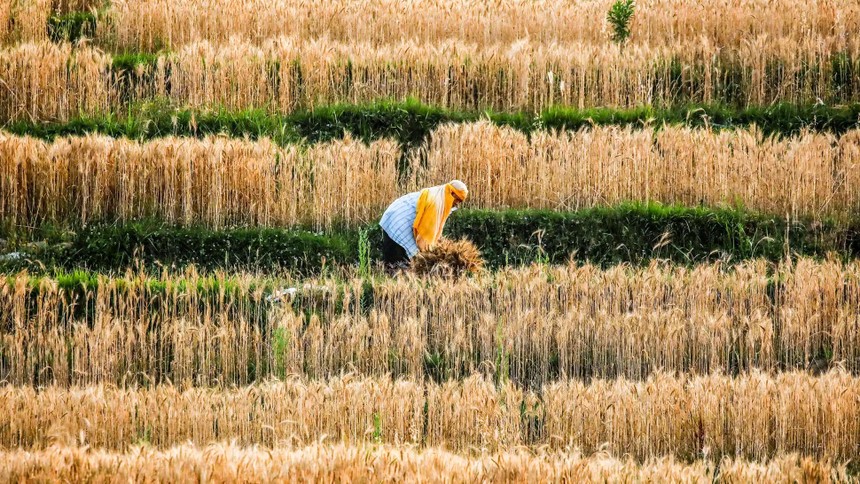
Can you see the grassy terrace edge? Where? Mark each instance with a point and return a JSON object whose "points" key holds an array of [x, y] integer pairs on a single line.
{"points": [[627, 233], [410, 122]]}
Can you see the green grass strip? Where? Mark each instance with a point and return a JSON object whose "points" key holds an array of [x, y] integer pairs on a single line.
{"points": [[411, 122], [629, 233], [80, 280]]}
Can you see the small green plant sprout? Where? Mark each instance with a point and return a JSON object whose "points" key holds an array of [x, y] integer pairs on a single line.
{"points": [[619, 18], [280, 347], [364, 253], [541, 257], [377, 428], [502, 356]]}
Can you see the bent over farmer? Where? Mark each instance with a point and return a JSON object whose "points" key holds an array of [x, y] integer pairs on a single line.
{"points": [[414, 222]]}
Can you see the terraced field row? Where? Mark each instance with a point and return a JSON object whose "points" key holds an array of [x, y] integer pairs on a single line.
{"points": [[220, 182], [531, 325], [151, 25], [754, 415], [48, 81]]}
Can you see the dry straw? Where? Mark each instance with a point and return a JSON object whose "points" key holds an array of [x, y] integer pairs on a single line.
{"points": [[754, 416], [449, 258], [284, 74], [151, 25], [529, 325], [385, 463]]}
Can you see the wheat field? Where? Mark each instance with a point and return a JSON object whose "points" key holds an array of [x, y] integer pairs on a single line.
{"points": [[385, 463], [219, 181], [531, 325], [288, 73], [710, 372]]}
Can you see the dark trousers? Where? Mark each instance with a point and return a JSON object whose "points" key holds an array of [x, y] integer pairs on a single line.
{"points": [[392, 252]]}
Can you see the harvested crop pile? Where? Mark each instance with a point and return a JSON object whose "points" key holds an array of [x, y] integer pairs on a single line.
{"points": [[449, 258]]}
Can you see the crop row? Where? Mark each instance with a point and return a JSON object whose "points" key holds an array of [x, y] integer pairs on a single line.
{"points": [[754, 415], [530, 325], [137, 24], [57, 81], [216, 181], [152, 25], [384, 463], [220, 182]]}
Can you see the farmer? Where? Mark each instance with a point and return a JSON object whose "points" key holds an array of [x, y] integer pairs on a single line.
{"points": [[414, 222]]}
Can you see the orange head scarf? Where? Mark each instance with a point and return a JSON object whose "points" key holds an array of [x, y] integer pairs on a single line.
{"points": [[434, 207]]}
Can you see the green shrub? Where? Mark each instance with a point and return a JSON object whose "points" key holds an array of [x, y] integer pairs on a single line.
{"points": [[71, 27], [411, 122], [130, 61], [109, 247], [633, 233], [619, 19], [637, 233]]}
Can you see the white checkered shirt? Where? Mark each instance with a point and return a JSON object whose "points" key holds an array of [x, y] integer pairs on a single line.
{"points": [[398, 219]]}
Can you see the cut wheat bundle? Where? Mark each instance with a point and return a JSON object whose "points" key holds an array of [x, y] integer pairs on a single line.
{"points": [[449, 258]]}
